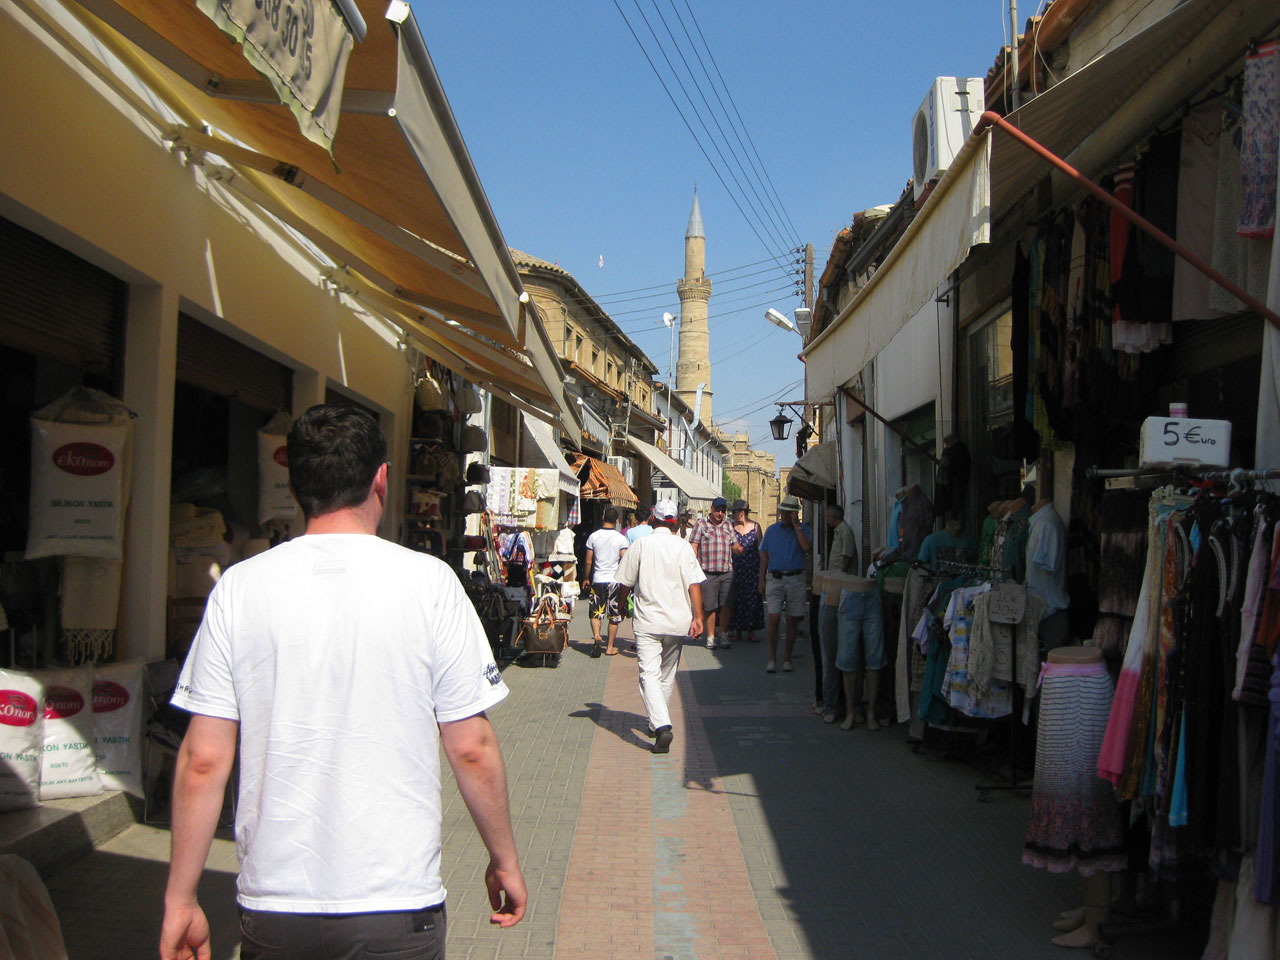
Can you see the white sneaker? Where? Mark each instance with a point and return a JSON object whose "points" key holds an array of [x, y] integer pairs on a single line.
{"points": [[711, 643], [769, 667], [724, 643], [786, 666]]}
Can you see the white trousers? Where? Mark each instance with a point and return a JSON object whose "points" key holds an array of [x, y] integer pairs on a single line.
{"points": [[659, 656]]}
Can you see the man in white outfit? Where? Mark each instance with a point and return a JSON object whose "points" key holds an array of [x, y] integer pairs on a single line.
{"points": [[667, 582]]}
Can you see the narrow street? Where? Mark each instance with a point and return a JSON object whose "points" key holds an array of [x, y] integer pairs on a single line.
{"points": [[763, 834]]}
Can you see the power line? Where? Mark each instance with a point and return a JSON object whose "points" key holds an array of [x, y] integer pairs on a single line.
{"points": [[667, 284], [729, 94], [724, 110], [716, 146], [780, 231], [685, 121], [665, 292]]}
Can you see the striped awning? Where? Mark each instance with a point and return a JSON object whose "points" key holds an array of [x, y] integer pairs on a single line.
{"points": [[602, 481]]}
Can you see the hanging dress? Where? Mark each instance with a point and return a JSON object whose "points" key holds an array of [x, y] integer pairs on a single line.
{"points": [[748, 614]]}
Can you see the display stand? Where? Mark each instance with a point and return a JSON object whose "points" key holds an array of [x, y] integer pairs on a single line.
{"points": [[993, 780]]}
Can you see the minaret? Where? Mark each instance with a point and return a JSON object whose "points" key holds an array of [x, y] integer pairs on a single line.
{"points": [[694, 366]]}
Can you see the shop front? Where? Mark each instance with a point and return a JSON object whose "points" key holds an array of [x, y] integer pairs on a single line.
{"points": [[166, 285], [1100, 492]]}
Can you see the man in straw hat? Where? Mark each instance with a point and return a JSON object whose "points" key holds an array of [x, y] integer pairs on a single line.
{"points": [[782, 569]]}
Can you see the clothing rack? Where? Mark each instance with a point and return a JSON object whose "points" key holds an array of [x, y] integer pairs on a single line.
{"points": [[993, 781]]}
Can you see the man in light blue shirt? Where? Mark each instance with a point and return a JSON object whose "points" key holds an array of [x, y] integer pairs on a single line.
{"points": [[642, 529], [782, 577]]}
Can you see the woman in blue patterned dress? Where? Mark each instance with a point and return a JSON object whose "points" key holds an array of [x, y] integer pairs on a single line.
{"points": [[748, 614]]}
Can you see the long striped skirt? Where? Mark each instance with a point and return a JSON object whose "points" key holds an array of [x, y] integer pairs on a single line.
{"points": [[1075, 818]]}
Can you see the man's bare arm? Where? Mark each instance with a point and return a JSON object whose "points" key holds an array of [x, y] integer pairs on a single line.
{"points": [[472, 749], [204, 763]]}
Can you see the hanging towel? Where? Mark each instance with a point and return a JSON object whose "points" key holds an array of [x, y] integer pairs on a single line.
{"points": [[1261, 139]]}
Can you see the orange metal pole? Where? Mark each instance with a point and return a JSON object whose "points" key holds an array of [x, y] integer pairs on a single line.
{"points": [[992, 119]]}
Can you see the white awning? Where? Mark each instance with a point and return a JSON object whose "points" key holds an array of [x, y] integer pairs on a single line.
{"points": [[693, 486], [956, 216], [544, 448]]}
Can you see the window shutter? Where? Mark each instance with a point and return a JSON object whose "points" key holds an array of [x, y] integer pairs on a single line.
{"points": [[56, 305], [215, 362]]}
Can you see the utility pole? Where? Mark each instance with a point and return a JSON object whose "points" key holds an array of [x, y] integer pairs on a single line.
{"points": [[1015, 97], [808, 275]]}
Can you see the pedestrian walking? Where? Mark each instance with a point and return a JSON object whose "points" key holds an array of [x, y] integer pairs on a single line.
{"points": [[782, 566], [746, 611], [340, 661], [641, 529], [713, 539], [605, 548], [667, 581]]}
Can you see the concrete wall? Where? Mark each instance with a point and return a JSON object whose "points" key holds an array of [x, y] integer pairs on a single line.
{"points": [[84, 172]]}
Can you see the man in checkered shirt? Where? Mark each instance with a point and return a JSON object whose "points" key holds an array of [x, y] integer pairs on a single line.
{"points": [[713, 539]]}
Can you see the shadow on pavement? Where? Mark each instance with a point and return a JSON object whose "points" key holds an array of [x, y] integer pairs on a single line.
{"points": [[625, 725], [110, 907]]}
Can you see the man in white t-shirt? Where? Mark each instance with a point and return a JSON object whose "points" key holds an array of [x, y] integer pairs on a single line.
{"points": [[605, 548], [341, 661], [665, 576]]}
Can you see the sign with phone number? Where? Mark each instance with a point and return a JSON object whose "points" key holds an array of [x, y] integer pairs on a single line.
{"points": [[1169, 441]]}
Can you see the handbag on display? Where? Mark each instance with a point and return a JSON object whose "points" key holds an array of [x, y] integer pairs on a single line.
{"points": [[477, 473], [474, 439], [468, 401], [429, 396], [473, 502], [543, 631]]}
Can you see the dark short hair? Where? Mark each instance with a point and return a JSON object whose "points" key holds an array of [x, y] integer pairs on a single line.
{"points": [[835, 510], [610, 514], [1029, 493], [334, 454]]}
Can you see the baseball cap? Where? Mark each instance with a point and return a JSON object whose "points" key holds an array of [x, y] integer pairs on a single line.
{"points": [[665, 510], [719, 503]]}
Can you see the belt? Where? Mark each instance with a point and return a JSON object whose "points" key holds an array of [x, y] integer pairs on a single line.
{"points": [[716, 573], [779, 574]]}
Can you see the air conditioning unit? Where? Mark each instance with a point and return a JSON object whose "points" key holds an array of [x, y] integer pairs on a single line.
{"points": [[625, 467], [942, 125]]}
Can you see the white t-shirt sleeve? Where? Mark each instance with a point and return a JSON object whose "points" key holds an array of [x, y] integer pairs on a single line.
{"points": [[466, 681], [629, 569], [205, 685]]}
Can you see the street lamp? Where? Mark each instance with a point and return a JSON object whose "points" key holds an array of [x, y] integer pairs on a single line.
{"points": [[670, 320], [781, 426], [778, 320]]}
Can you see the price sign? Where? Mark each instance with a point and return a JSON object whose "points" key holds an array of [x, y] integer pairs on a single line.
{"points": [[1168, 442], [1008, 603]]}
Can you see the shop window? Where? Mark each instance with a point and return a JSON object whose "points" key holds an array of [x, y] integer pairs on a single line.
{"points": [[503, 425], [595, 361], [989, 415], [224, 366], [342, 400], [915, 467]]}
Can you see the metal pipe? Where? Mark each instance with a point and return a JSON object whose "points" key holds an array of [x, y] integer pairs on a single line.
{"points": [[990, 118]]}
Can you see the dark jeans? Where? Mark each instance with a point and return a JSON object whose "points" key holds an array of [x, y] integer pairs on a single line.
{"points": [[407, 935]]}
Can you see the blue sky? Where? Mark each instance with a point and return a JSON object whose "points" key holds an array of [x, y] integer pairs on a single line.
{"points": [[583, 155]]}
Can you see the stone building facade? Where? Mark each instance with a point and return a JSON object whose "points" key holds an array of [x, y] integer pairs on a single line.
{"points": [[754, 472]]}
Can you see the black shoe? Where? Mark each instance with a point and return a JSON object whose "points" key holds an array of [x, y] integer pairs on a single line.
{"points": [[595, 651], [649, 731], [662, 739]]}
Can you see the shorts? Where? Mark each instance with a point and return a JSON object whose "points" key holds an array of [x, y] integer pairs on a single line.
{"points": [[791, 589], [860, 631], [604, 602], [717, 590]]}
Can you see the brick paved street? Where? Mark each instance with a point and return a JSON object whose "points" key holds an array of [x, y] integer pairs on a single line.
{"points": [[763, 834]]}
